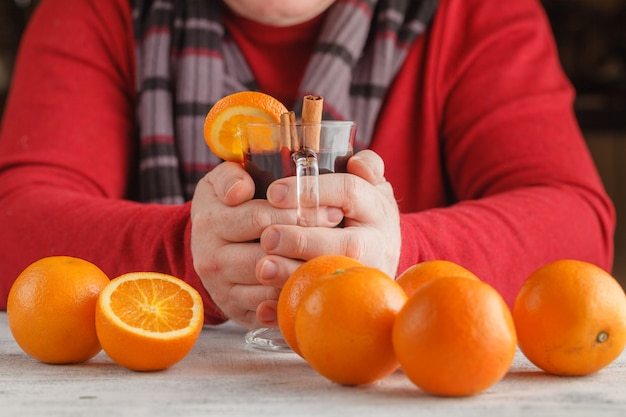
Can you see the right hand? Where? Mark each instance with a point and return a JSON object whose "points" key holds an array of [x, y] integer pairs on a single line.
{"points": [[226, 225]]}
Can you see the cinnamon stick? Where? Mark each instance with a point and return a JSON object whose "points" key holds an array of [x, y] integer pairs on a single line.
{"points": [[288, 131], [285, 135], [312, 107], [295, 142]]}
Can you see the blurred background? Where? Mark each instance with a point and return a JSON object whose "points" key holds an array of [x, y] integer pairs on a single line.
{"points": [[591, 37]]}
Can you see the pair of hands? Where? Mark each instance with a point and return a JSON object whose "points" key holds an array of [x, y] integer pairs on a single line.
{"points": [[244, 249]]}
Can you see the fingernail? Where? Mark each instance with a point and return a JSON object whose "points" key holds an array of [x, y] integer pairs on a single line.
{"points": [[268, 272], [232, 185], [270, 240], [266, 315], [277, 192], [334, 214], [373, 171]]}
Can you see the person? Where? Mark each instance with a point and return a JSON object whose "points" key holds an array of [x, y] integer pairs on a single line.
{"points": [[467, 149]]}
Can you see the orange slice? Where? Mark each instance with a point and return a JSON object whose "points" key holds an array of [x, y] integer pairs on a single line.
{"points": [[147, 321], [222, 120]]}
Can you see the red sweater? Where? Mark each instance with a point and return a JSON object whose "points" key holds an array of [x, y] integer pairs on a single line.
{"points": [[478, 135]]}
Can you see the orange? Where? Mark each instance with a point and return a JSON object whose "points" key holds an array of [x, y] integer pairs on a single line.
{"points": [[455, 337], [297, 283], [413, 277], [570, 317], [51, 309], [222, 121], [344, 324], [147, 321]]}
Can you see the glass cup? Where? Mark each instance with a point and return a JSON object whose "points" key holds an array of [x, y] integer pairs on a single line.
{"points": [[305, 150]]}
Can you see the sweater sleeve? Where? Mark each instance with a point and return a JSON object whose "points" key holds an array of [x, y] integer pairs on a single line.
{"points": [[66, 150], [521, 187]]}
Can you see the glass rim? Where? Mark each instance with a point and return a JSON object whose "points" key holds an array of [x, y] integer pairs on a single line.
{"points": [[323, 123]]}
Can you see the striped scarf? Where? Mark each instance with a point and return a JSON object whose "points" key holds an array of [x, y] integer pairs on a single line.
{"points": [[186, 62]]}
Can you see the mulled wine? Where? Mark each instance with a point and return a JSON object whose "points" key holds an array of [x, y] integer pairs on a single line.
{"points": [[266, 167]]}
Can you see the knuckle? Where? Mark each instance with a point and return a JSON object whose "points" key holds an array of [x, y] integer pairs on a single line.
{"points": [[301, 244], [350, 184], [221, 299], [249, 319], [349, 192], [258, 218], [207, 267], [352, 247]]}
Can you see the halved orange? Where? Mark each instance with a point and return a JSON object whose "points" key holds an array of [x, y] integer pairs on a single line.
{"points": [[222, 120], [148, 321]]}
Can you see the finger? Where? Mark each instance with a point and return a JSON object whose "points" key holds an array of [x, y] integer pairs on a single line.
{"points": [[368, 165], [360, 201], [228, 275], [243, 301], [232, 183], [252, 299], [266, 313], [356, 198], [240, 223], [275, 270], [253, 217], [308, 242], [282, 193], [354, 242]]}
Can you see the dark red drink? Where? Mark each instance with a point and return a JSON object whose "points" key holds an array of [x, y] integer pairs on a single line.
{"points": [[266, 167]]}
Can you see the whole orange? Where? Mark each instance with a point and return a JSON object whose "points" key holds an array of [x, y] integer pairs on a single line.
{"points": [[51, 309], [570, 317], [148, 321], [454, 337], [416, 275], [297, 283], [344, 324]]}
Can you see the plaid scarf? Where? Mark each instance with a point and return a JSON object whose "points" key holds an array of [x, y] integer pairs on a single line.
{"points": [[186, 62]]}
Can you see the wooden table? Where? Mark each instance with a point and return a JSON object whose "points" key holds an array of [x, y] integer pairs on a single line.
{"points": [[223, 377]]}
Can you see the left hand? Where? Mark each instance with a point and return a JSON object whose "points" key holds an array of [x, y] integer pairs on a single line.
{"points": [[371, 233]]}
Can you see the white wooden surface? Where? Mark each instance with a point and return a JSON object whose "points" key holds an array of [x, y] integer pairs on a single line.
{"points": [[223, 377]]}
